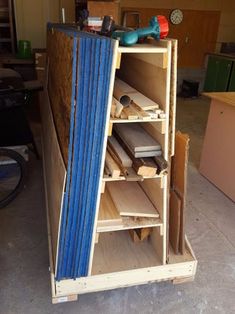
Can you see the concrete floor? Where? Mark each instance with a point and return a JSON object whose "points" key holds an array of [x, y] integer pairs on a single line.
{"points": [[24, 275]]}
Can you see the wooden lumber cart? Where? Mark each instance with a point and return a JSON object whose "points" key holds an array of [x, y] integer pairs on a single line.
{"points": [[107, 186]]}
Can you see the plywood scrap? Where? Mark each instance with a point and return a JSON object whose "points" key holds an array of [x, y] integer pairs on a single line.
{"points": [[120, 152], [130, 199], [112, 166], [136, 138], [179, 163], [179, 180], [174, 221]]}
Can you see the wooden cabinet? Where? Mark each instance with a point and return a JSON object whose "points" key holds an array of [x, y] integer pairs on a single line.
{"points": [[217, 165], [218, 74], [89, 236], [231, 87]]}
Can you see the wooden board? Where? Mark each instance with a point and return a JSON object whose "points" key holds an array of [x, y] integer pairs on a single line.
{"points": [[143, 102], [179, 179], [173, 92], [130, 199], [179, 267], [107, 211], [60, 49], [122, 155], [110, 220], [180, 162], [137, 138], [122, 88], [174, 221], [54, 171], [112, 166]]}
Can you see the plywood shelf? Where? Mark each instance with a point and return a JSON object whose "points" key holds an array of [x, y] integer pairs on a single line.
{"points": [[142, 48], [116, 252], [107, 178], [117, 120]]}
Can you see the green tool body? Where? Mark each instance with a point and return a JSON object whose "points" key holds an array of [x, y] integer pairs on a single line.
{"points": [[158, 28]]}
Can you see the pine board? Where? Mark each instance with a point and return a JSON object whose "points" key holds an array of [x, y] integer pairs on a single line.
{"points": [[142, 101], [137, 138], [107, 211], [125, 159], [130, 199]]}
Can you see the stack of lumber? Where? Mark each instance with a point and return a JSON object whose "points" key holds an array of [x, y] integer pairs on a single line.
{"points": [[130, 104], [92, 58], [137, 140], [120, 161]]}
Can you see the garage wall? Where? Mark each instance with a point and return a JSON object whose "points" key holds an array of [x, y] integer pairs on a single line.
{"points": [[32, 17], [227, 8], [226, 28], [30, 21]]}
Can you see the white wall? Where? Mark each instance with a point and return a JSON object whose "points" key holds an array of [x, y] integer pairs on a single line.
{"points": [[32, 17]]}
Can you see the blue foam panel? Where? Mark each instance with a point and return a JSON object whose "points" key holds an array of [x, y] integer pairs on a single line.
{"points": [[92, 63]]}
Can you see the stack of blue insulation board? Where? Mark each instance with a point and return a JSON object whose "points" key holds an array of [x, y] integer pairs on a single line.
{"points": [[92, 63]]}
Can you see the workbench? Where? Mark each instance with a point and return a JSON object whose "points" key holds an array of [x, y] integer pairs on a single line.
{"points": [[218, 153]]}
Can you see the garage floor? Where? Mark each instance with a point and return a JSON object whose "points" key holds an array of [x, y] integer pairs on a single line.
{"points": [[24, 275]]}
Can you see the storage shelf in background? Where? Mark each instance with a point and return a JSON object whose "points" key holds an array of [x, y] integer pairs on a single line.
{"points": [[4, 9], [5, 40], [4, 25]]}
